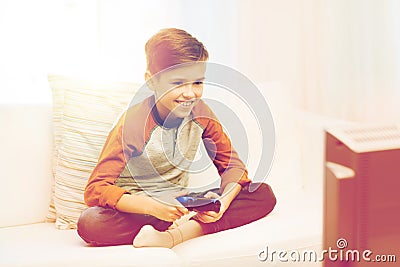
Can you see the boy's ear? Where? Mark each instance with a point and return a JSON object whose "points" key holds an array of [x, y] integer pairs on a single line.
{"points": [[149, 80]]}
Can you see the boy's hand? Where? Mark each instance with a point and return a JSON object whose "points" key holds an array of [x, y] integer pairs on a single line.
{"points": [[168, 213], [212, 216], [230, 192]]}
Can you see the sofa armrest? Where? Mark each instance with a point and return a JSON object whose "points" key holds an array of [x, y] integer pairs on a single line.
{"points": [[25, 163]]}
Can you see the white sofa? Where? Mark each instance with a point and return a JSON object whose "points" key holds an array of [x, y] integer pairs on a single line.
{"points": [[26, 174]]}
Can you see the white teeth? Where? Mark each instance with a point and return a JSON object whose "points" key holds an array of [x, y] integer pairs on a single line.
{"points": [[186, 104]]}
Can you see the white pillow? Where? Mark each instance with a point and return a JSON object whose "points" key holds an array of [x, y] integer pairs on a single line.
{"points": [[84, 113]]}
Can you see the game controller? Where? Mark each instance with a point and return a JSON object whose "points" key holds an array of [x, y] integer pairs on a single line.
{"points": [[200, 203]]}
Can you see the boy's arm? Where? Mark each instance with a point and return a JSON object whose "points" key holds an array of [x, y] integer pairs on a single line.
{"points": [[225, 158], [147, 205], [232, 170], [101, 189], [230, 192]]}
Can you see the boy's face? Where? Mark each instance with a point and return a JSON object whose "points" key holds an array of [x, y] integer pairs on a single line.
{"points": [[178, 90]]}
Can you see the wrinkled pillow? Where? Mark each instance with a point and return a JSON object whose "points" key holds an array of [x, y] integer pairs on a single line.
{"points": [[84, 112]]}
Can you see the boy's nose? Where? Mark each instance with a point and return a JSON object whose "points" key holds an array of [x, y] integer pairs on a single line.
{"points": [[188, 91]]}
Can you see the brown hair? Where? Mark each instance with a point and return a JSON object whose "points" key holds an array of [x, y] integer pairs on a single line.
{"points": [[170, 47]]}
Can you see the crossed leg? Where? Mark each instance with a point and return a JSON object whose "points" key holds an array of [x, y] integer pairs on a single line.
{"points": [[104, 227]]}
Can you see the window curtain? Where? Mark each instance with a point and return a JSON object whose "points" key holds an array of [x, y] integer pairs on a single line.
{"points": [[338, 58]]}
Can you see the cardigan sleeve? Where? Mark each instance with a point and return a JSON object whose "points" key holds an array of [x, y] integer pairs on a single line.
{"points": [[101, 189], [225, 158]]}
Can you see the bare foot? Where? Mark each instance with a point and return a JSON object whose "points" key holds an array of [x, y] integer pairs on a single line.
{"points": [[150, 237]]}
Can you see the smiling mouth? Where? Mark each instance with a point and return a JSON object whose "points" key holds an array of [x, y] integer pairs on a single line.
{"points": [[185, 103]]}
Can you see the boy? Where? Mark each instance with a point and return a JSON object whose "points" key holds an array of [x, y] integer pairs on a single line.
{"points": [[148, 152]]}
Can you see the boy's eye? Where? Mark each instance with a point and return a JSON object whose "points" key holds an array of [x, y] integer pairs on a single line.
{"points": [[177, 83]]}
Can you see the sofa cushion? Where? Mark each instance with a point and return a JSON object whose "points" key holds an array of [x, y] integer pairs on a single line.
{"points": [[42, 245], [84, 113], [295, 224]]}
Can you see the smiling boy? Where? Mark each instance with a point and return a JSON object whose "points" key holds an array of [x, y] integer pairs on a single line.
{"points": [[148, 153]]}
